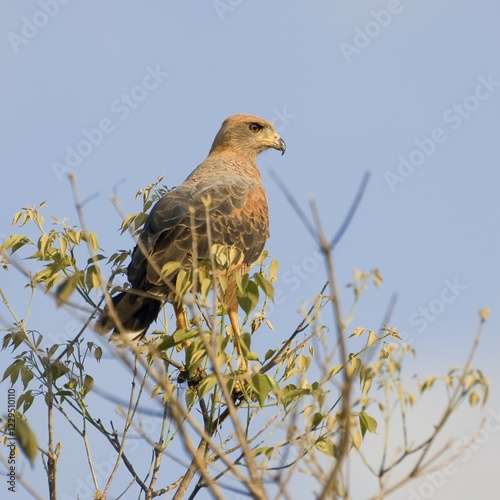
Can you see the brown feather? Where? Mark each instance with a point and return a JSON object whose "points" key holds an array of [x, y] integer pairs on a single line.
{"points": [[238, 215]]}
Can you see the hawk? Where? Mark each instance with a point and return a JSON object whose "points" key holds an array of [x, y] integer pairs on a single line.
{"points": [[176, 228]]}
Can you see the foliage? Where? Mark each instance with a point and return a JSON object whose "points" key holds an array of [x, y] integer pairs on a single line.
{"points": [[319, 393]]}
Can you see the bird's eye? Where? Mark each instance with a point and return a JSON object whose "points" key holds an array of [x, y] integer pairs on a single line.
{"points": [[255, 127]]}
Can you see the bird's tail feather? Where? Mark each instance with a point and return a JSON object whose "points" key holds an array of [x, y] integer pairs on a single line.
{"points": [[132, 314]]}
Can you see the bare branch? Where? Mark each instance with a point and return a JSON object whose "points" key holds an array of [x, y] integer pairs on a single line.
{"points": [[352, 211]]}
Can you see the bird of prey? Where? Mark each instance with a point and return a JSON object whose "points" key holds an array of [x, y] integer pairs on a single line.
{"points": [[237, 215]]}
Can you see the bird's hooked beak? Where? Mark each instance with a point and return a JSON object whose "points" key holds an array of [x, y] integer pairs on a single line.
{"points": [[279, 144]]}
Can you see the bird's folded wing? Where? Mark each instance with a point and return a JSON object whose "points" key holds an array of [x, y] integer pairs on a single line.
{"points": [[236, 208]]}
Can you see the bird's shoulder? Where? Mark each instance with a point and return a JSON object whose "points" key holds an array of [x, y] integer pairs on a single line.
{"points": [[222, 194]]}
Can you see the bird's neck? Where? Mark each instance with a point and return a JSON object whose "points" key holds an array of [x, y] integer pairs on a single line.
{"points": [[228, 162]]}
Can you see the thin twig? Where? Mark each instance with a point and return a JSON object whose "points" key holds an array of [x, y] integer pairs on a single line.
{"points": [[454, 399], [52, 455], [278, 357], [293, 203], [420, 467], [126, 428], [352, 210], [181, 414], [332, 485], [80, 333]]}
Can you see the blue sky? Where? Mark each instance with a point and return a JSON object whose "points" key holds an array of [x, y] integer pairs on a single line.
{"points": [[408, 89]]}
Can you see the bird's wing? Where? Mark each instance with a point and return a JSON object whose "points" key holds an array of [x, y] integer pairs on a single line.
{"points": [[236, 208], [165, 217]]}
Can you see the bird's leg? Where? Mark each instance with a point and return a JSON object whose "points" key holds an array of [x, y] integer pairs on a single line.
{"points": [[232, 311], [180, 317]]}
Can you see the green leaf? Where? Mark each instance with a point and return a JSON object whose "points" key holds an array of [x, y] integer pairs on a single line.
{"points": [[357, 332], [290, 392], [91, 239], [26, 376], [95, 279], [273, 271], [377, 277], [317, 419], [236, 256], [98, 353], [63, 245], [269, 354], [183, 282], [67, 287], [356, 440], [26, 400], [262, 257], [15, 242], [168, 269], [88, 384], [473, 398], [16, 218], [57, 370], [367, 423], [127, 221], [223, 282], [140, 220], [13, 370], [334, 370], [181, 336], [52, 350], [303, 362], [205, 286], [242, 280], [367, 383], [372, 338], [195, 354], [261, 386], [166, 342], [26, 438], [71, 383], [190, 398], [206, 384], [249, 299], [326, 446], [266, 286], [45, 250], [264, 450]]}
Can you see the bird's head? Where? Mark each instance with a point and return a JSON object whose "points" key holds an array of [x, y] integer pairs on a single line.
{"points": [[248, 135]]}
